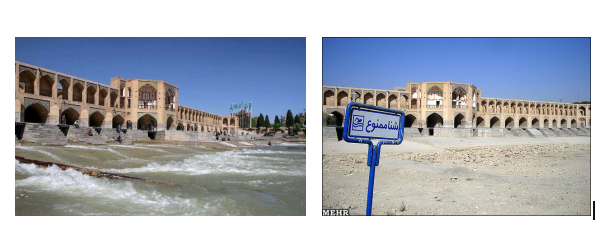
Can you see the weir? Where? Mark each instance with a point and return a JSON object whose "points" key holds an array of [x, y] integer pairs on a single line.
{"points": [[90, 172]]}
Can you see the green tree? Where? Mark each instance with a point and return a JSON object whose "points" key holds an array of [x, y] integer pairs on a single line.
{"points": [[276, 126], [289, 119], [297, 120], [302, 118], [267, 121], [254, 122], [260, 121], [276, 120]]}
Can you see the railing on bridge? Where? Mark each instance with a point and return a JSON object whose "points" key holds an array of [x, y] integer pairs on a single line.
{"points": [[146, 106]]}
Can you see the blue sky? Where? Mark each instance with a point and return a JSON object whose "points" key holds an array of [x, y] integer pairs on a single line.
{"points": [[538, 69], [211, 73]]}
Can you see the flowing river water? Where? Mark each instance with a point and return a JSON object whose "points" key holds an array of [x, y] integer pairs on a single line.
{"points": [[259, 181]]}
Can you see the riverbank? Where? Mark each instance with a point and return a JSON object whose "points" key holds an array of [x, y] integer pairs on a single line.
{"points": [[463, 176]]}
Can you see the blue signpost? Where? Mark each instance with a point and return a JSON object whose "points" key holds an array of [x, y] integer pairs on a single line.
{"points": [[363, 123]]}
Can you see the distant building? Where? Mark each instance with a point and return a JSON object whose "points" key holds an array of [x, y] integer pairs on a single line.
{"points": [[44, 96], [456, 105]]}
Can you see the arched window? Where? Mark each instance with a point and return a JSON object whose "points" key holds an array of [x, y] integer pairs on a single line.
{"points": [[170, 99], [434, 97], [459, 98], [147, 97]]}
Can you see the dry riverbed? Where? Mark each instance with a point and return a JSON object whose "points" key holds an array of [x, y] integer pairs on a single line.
{"points": [[542, 179]]}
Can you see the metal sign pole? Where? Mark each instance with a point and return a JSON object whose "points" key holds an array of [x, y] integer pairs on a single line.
{"points": [[372, 122], [371, 154]]}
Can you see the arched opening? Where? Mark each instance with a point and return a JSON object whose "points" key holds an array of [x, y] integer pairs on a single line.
{"points": [[36, 113], [77, 92], [582, 111], [26, 81], [498, 107], [554, 125], [380, 100], [45, 88], [369, 99], [494, 123], [96, 119], [582, 122], [357, 96], [147, 122], [509, 123], [335, 119], [546, 123], [232, 122], [413, 103], [434, 120], [65, 87], [409, 120], [188, 127], [392, 101], [523, 123], [459, 98], [520, 108], [513, 108], [225, 121], [480, 122], [535, 123], [343, 99], [405, 102], [459, 121], [91, 95], [434, 97], [328, 98], [170, 99], [118, 120], [563, 123], [506, 108], [483, 106], [71, 116], [102, 97], [147, 97], [574, 124], [113, 99]]}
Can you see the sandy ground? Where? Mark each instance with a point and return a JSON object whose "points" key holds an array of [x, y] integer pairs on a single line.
{"points": [[462, 176]]}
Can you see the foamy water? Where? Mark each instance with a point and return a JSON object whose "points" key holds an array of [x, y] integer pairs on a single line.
{"points": [[241, 182]]}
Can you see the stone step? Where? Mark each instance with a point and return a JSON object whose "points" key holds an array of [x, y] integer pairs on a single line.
{"points": [[44, 134], [520, 132], [534, 133], [578, 131], [81, 135], [570, 132], [560, 132], [546, 132], [330, 134], [510, 133], [586, 131], [411, 132]]}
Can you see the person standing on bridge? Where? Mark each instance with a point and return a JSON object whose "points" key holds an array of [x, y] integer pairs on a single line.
{"points": [[64, 119], [76, 124]]}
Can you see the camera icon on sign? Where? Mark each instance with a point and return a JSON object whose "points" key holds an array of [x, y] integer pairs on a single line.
{"points": [[358, 122]]}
